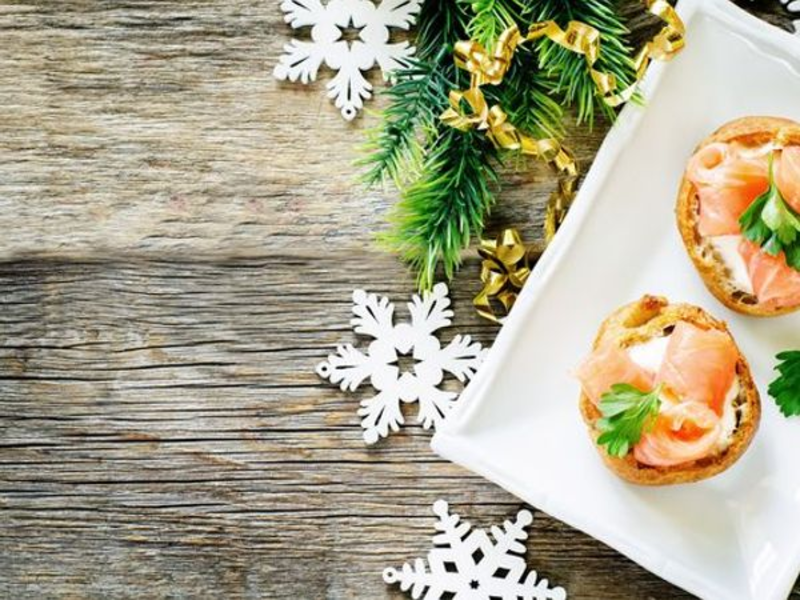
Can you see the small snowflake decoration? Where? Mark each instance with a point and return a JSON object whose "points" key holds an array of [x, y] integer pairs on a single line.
{"points": [[794, 7], [374, 317], [465, 564], [302, 60]]}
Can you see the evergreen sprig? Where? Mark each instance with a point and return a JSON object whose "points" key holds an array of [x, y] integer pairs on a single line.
{"points": [[491, 17], [526, 99], [565, 72], [438, 212], [417, 97], [447, 178]]}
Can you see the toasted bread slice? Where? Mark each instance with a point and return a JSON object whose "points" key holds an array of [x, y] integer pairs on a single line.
{"points": [[639, 322], [753, 131]]}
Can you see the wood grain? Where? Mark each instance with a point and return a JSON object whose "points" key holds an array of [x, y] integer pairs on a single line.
{"points": [[180, 238]]}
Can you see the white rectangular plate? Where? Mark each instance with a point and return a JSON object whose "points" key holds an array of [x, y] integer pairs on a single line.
{"points": [[736, 536]]}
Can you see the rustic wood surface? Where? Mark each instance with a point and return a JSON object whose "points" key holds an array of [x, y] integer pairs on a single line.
{"points": [[180, 238]]}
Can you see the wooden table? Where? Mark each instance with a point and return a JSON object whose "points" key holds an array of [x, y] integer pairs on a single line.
{"points": [[180, 239]]}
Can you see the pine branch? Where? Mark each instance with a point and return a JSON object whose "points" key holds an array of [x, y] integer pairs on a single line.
{"points": [[439, 212], [441, 25], [491, 17], [394, 149], [523, 95], [526, 98], [566, 73], [447, 178]]}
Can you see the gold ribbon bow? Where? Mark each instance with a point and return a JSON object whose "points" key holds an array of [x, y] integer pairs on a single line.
{"points": [[667, 42], [581, 39], [490, 68], [504, 271], [584, 39], [464, 121], [558, 206], [494, 121], [505, 266]]}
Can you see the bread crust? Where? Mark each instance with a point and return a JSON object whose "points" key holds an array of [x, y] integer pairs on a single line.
{"points": [[749, 131], [644, 320]]}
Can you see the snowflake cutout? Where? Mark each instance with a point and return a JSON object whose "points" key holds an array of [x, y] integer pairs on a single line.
{"points": [[793, 6], [374, 317], [465, 564], [302, 60]]}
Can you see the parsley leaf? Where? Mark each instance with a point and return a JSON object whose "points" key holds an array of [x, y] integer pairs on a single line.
{"points": [[793, 256], [627, 412], [753, 228], [772, 224], [786, 388]]}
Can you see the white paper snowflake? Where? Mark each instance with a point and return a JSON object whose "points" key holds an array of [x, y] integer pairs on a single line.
{"points": [[794, 7], [374, 317], [302, 60], [465, 564]]}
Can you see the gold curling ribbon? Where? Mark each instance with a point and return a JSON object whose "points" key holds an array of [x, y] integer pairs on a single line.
{"points": [[500, 274], [494, 121], [488, 67], [557, 207], [491, 67], [504, 270], [584, 39]]}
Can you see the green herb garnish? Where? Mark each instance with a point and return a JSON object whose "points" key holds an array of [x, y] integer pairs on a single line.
{"points": [[786, 388], [772, 224], [627, 413]]}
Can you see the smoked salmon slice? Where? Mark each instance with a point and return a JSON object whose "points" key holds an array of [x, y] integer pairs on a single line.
{"points": [[699, 365], [787, 176], [774, 281], [608, 365], [682, 433], [728, 179], [720, 209]]}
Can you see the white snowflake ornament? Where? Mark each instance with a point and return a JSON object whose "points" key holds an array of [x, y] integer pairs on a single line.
{"points": [[465, 564], [302, 60], [374, 317], [793, 7]]}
